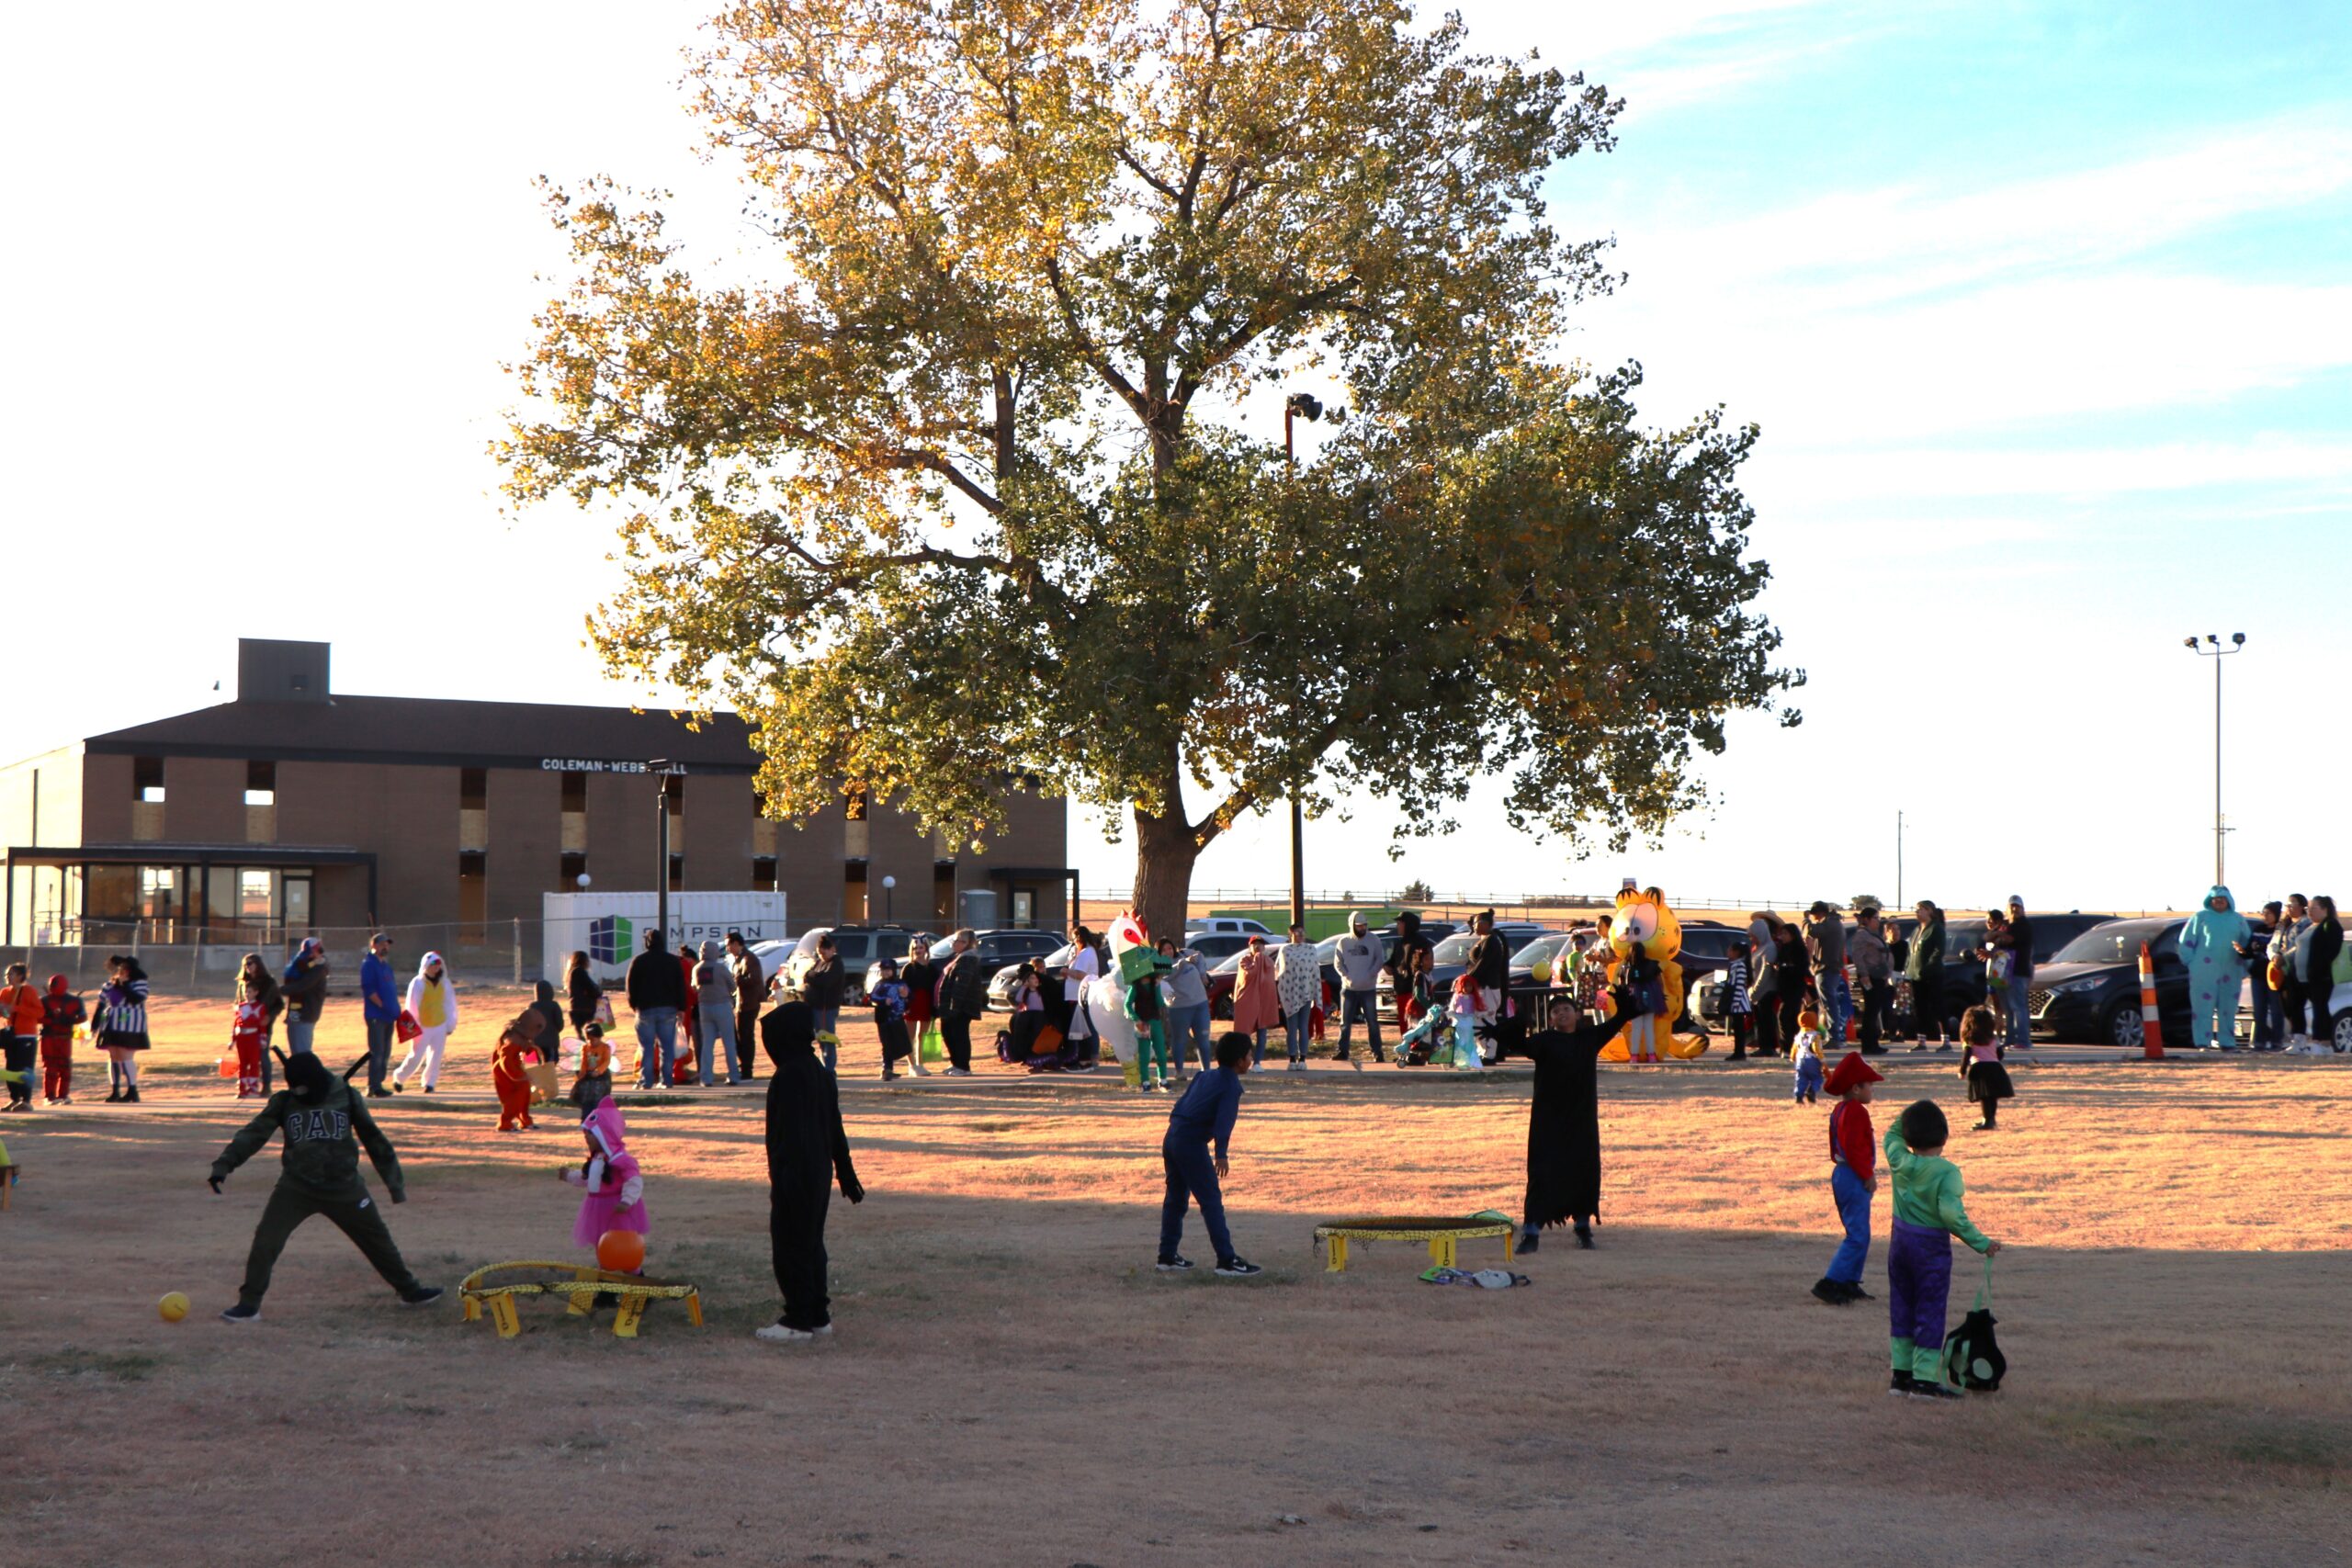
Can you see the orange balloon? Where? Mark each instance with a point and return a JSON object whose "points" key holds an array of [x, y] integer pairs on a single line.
{"points": [[620, 1252]]}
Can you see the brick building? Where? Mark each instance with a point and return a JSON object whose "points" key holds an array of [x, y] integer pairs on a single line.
{"points": [[296, 806]]}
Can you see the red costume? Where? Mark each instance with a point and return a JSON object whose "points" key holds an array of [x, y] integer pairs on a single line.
{"points": [[61, 1011], [246, 1035], [506, 1073]]}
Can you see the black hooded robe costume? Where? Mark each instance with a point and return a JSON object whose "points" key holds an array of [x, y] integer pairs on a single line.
{"points": [[325, 1120], [1564, 1123], [808, 1151]]}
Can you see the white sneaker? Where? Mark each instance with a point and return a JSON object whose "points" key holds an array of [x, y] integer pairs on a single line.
{"points": [[777, 1333], [823, 1331]]}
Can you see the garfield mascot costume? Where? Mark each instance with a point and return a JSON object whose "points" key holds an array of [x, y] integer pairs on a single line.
{"points": [[1646, 942]]}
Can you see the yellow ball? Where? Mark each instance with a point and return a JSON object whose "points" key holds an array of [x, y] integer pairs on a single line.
{"points": [[172, 1308]]}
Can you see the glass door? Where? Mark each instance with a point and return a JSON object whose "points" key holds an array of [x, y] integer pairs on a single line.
{"points": [[297, 902]]}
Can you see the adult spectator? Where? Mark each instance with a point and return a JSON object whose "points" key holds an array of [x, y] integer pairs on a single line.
{"points": [[1760, 937], [1359, 960], [1256, 1007], [1187, 985], [1410, 940], [962, 998], [551, 1020], [2283, 943], [1874, 968], [2315, 956], [1489, 957], [657, 995], [256, 984], [751, 989], [715, 1013], [922, 975], [2021, 977], [379, 1005], [1299, 979], [582, 998], [1085, 963], [1824, 949], [1764, 991], [1795, 965], [822, 988], [305, 989], [1925, 970], [2255, 951]]}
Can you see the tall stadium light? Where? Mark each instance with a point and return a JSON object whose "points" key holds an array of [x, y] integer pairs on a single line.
{"points": [[2213, 650], [1306, 406]]}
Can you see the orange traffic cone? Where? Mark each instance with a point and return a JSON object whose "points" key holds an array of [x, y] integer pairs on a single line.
{"points": [[2152, 1029]]}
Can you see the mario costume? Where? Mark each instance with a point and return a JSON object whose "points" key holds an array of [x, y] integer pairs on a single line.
{"points": [[1853, 1173]]}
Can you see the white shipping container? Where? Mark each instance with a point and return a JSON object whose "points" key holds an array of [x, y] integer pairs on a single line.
{"points": [[610, 927]]}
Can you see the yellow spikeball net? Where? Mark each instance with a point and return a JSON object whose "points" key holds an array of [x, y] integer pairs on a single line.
{"points": [[582, 1285], [1440, 1231]]}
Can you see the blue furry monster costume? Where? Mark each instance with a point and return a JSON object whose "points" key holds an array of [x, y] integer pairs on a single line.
{"points": [[2208, 945]]}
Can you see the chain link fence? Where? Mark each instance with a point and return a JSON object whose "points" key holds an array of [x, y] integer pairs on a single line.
{"points": [[184, 961]]}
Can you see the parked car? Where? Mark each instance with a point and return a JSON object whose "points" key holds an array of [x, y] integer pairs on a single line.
{"points": [[1223, 925], [858, 947], [1965, 970], [1452, 956], [1006, 946], [2089, 990]]}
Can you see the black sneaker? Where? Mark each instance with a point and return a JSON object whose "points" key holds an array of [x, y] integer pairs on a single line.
{"points": [[1901, 1384], [1237, 1268], [1584, 1238], [1854, 1293], [1934, 1390], [1830, 1292], [423, 1295], [1175, 1264], [1528, 1241], [241, 1312]]}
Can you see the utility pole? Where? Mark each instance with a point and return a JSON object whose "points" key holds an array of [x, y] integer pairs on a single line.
{"points": [[662, 768], [1298, 405], [2216, 652], [1899, 905]]}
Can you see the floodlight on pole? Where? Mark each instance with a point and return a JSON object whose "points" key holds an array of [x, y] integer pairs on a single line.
{"points": [[2216, 652]]}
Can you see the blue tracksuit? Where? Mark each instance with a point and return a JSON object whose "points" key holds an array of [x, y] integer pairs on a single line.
{"points": [[1204, 1115]]}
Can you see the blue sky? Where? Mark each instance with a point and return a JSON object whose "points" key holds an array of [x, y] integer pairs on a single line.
{"points": [[2042, 309]]}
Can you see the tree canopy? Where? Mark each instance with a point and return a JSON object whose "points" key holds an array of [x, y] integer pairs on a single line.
{"points": [[961, 492]]}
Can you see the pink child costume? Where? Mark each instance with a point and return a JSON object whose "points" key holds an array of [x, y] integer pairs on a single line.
{"points": [[615, 1196]]}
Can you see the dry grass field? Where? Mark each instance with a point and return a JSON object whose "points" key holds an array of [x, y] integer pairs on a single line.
{"points": [[1011, 1383]]}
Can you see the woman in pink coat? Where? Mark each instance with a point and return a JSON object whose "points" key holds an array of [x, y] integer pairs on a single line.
{"points": [[1256, 1006]]}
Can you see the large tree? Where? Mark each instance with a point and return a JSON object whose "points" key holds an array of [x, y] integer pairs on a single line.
{"points": [[960, 492]]}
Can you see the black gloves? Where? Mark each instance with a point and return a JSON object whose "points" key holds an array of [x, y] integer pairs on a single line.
{"points": [[852, 1188], [213, 1182]]}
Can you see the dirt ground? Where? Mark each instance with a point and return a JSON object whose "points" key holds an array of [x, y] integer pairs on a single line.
{"points": [[1011, 1383]]}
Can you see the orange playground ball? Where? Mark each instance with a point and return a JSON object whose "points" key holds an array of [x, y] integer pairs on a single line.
{"points": [[620, 1252]]}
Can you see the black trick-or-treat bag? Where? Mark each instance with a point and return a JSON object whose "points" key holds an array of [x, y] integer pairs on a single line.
{"points": [[1972, 1359]]}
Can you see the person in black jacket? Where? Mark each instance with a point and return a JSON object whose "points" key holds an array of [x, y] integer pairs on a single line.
{"points": [[808, 1152], [581, 994], [325, 1125], [751, 990], [824, 987], [657, 994], [962, 998], [2316, 958]]}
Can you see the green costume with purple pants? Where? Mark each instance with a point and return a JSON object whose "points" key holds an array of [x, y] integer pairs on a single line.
{"points": [[1927, 1215]]}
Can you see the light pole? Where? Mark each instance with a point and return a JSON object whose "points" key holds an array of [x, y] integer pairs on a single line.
{"points": [[2216, 652], [1298, 405], [663, 770], [888, 904], [1898, 863]]}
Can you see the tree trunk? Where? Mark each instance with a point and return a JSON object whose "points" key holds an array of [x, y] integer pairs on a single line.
{"points": [[1165, 851]]}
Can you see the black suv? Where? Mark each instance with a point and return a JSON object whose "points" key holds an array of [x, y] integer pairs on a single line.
{"points": [[2091, 991]]}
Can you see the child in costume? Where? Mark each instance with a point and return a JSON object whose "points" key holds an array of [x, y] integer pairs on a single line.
{"points": [[595, 1055], [1143, 1004], [1853, 1177], [614, 1199], [1467, 1006], [519, 1040], [808, 1154], [1419, 1044], [890, 996], [1204, 1116], [1738, 1012], [1927, 1215], [1564, 1123], [248, 1028], [20, 1015], [1806, 1053], [325, 1123], [61, 1011], [1980, 1063]]}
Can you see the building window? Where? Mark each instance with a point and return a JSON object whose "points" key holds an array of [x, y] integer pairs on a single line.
{"points": [[261, 784], [677, 874], [764, 874], [256, 897], [575, 792], [854, 893], [159, 889], [147, 780], [473, 789], [574, 868], [473, 893]]}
